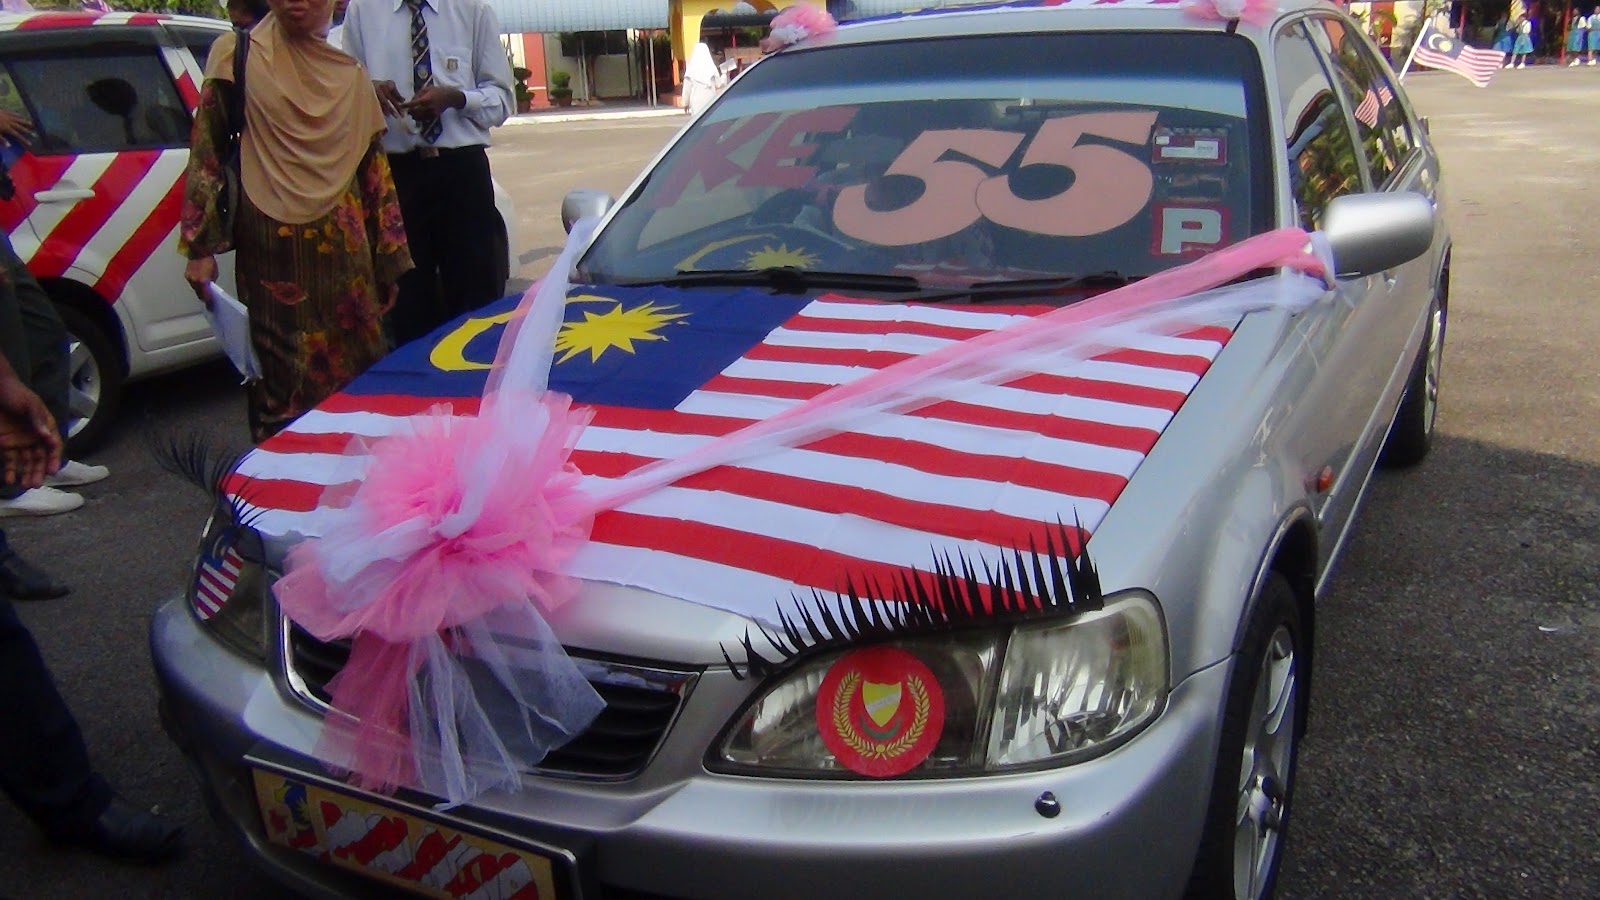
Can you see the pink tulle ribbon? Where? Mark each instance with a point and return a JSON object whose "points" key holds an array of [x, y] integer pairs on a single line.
{"points": [[439, 562], [1256, 12], [795, 24]]}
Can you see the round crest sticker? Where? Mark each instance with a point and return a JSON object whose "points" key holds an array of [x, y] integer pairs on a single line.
{"points": [[880, 711]]}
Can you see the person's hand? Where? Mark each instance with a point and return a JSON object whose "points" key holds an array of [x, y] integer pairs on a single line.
{"points": [[389, 98], [431, 102], [30, 445], [200, 273], [15, 128]]}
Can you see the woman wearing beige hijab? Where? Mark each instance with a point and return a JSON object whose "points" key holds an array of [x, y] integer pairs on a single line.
{"points": [[319, 239]]}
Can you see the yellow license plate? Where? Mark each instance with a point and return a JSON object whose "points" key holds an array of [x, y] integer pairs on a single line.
{"points": [[405, 850]]}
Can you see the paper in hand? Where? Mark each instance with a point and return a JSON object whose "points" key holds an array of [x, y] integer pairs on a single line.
{"points": [[231, 322]]}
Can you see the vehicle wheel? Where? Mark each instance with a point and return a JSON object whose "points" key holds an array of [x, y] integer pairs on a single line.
{"points": [[95, 370], [1251, 791], [1411, 433]]}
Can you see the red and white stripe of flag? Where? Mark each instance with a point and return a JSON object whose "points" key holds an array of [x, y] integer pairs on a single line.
{"points": [[983, 470], [1472, 63], [1367, 111], [215, 580]]}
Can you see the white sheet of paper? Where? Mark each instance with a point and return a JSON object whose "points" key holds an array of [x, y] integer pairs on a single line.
{"points": [[231, 322]]}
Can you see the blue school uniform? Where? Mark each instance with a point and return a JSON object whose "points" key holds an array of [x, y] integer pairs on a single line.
{"points": [[1578, 35], [1594, 32], [1502, 40], [1524, 39]]}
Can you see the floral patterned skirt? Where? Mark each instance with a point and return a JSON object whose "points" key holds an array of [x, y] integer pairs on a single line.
{"points": [[316, 306]]}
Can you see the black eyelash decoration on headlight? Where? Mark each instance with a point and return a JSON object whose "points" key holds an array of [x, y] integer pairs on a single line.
{"points": [[195, 458], [1030, 584]]}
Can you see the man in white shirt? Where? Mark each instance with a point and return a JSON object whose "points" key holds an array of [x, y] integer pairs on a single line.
{"points": [[443, 79], [336, 24]]}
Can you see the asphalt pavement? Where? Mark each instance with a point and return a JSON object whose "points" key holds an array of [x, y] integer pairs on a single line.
{"points": [[1454, 748]]}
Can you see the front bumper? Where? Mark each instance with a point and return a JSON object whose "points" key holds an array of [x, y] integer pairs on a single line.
{"points": [[1129, 822]]}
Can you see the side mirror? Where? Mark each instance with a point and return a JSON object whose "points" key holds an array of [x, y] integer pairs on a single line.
{"points": [[582, 203], [1371, 233]]}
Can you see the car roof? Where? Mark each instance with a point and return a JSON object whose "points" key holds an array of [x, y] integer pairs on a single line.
{"points": [[1040, 16], [58, 20]]}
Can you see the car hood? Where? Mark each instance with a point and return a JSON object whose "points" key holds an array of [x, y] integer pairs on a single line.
{"points": [[976, 473]]}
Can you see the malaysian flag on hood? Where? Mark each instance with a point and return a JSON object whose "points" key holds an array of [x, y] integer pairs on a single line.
{"points": [[985, 469]]}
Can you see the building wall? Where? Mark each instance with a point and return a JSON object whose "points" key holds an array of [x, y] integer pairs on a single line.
{"points": [[686, 16]]}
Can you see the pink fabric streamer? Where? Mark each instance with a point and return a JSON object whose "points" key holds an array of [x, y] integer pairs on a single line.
{"points": [[438, 563], [899, 383], [1256, 12], [795, 24]]}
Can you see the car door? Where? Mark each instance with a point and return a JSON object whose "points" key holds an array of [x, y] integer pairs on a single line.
{"points": [[101, 189], [1369, 356], [1323, 162]]}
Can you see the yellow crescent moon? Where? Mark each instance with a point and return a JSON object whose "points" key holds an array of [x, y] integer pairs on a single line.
{"points": [[1439, 42], [450, 354]]}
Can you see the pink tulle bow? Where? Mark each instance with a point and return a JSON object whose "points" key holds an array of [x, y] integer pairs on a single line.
{"points": [[1256, 12], [798, 22], [456, 517]]}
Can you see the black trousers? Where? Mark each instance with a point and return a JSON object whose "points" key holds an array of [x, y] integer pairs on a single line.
{"points": [[44, 766], [32, 336], [457, 239]]}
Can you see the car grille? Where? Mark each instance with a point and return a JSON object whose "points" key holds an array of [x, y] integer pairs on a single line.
{"points": [[641, 703]]}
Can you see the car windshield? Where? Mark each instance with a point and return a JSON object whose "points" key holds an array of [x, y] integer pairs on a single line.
{"points": [[955, 162]]}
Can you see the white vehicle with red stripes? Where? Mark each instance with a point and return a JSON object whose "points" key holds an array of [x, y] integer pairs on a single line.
{"points": [[95, 216], [967, 412]]}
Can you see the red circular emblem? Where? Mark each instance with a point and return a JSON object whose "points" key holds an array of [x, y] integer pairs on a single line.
{"points": [[880, 711]]}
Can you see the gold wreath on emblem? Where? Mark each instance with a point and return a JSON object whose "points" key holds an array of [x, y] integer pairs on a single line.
{"points": [[870, 749]]}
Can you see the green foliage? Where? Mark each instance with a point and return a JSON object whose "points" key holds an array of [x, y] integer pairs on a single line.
{"points": [[519, 85], [560, 80]]}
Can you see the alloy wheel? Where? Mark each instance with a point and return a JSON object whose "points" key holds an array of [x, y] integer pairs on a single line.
{"points": [[1265, 765], [1432, 368], [84, 385]]}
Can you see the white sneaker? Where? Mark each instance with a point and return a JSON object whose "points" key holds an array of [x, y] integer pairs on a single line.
{"points": [[1574, 63], [1591, 62], [41, 501], [73, 473]]}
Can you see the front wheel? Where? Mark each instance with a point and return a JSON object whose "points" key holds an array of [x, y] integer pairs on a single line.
{"points": [[1411, 434], [1242, 845], [95, 388]]}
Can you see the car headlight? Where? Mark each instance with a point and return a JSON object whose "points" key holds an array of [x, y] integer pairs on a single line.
{"points": [[228, 585], [1033, 695]]}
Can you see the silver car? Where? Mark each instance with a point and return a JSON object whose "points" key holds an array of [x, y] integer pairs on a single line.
{"points": [[1048, 634]]}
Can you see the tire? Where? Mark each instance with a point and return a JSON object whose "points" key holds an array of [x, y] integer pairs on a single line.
{"points": [[96, 378], [1411, 433], [1252, 789]]}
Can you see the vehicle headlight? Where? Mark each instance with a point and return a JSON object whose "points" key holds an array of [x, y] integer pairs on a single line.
{"points": [[961, 703], [228, 585]]}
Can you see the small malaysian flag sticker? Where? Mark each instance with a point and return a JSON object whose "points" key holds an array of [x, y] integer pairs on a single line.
{"points": [[217, 573]]}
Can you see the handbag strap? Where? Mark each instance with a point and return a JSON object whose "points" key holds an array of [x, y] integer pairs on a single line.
{"points": [[241, 50]]}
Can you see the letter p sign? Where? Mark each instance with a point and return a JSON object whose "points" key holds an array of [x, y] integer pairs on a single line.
{"points": [[1189, 231]]}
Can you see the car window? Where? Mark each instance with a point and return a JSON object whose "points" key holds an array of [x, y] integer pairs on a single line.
{"points": [[1321, 150], [1380, 120], [10, 99], [961, 160], [100, 100], [198, 40]]}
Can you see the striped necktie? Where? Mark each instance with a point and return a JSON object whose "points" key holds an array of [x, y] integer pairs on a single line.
{"points": [[422, 65]]}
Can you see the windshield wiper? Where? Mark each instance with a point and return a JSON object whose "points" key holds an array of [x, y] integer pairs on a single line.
{"points": [[986, 291], [784, 279]]}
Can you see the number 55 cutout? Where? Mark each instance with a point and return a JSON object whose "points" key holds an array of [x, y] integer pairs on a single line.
{"points": [[1109, 186]]}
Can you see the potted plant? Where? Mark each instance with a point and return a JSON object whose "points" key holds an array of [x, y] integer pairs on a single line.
{"points": [[561, 87], [519, 84]]}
